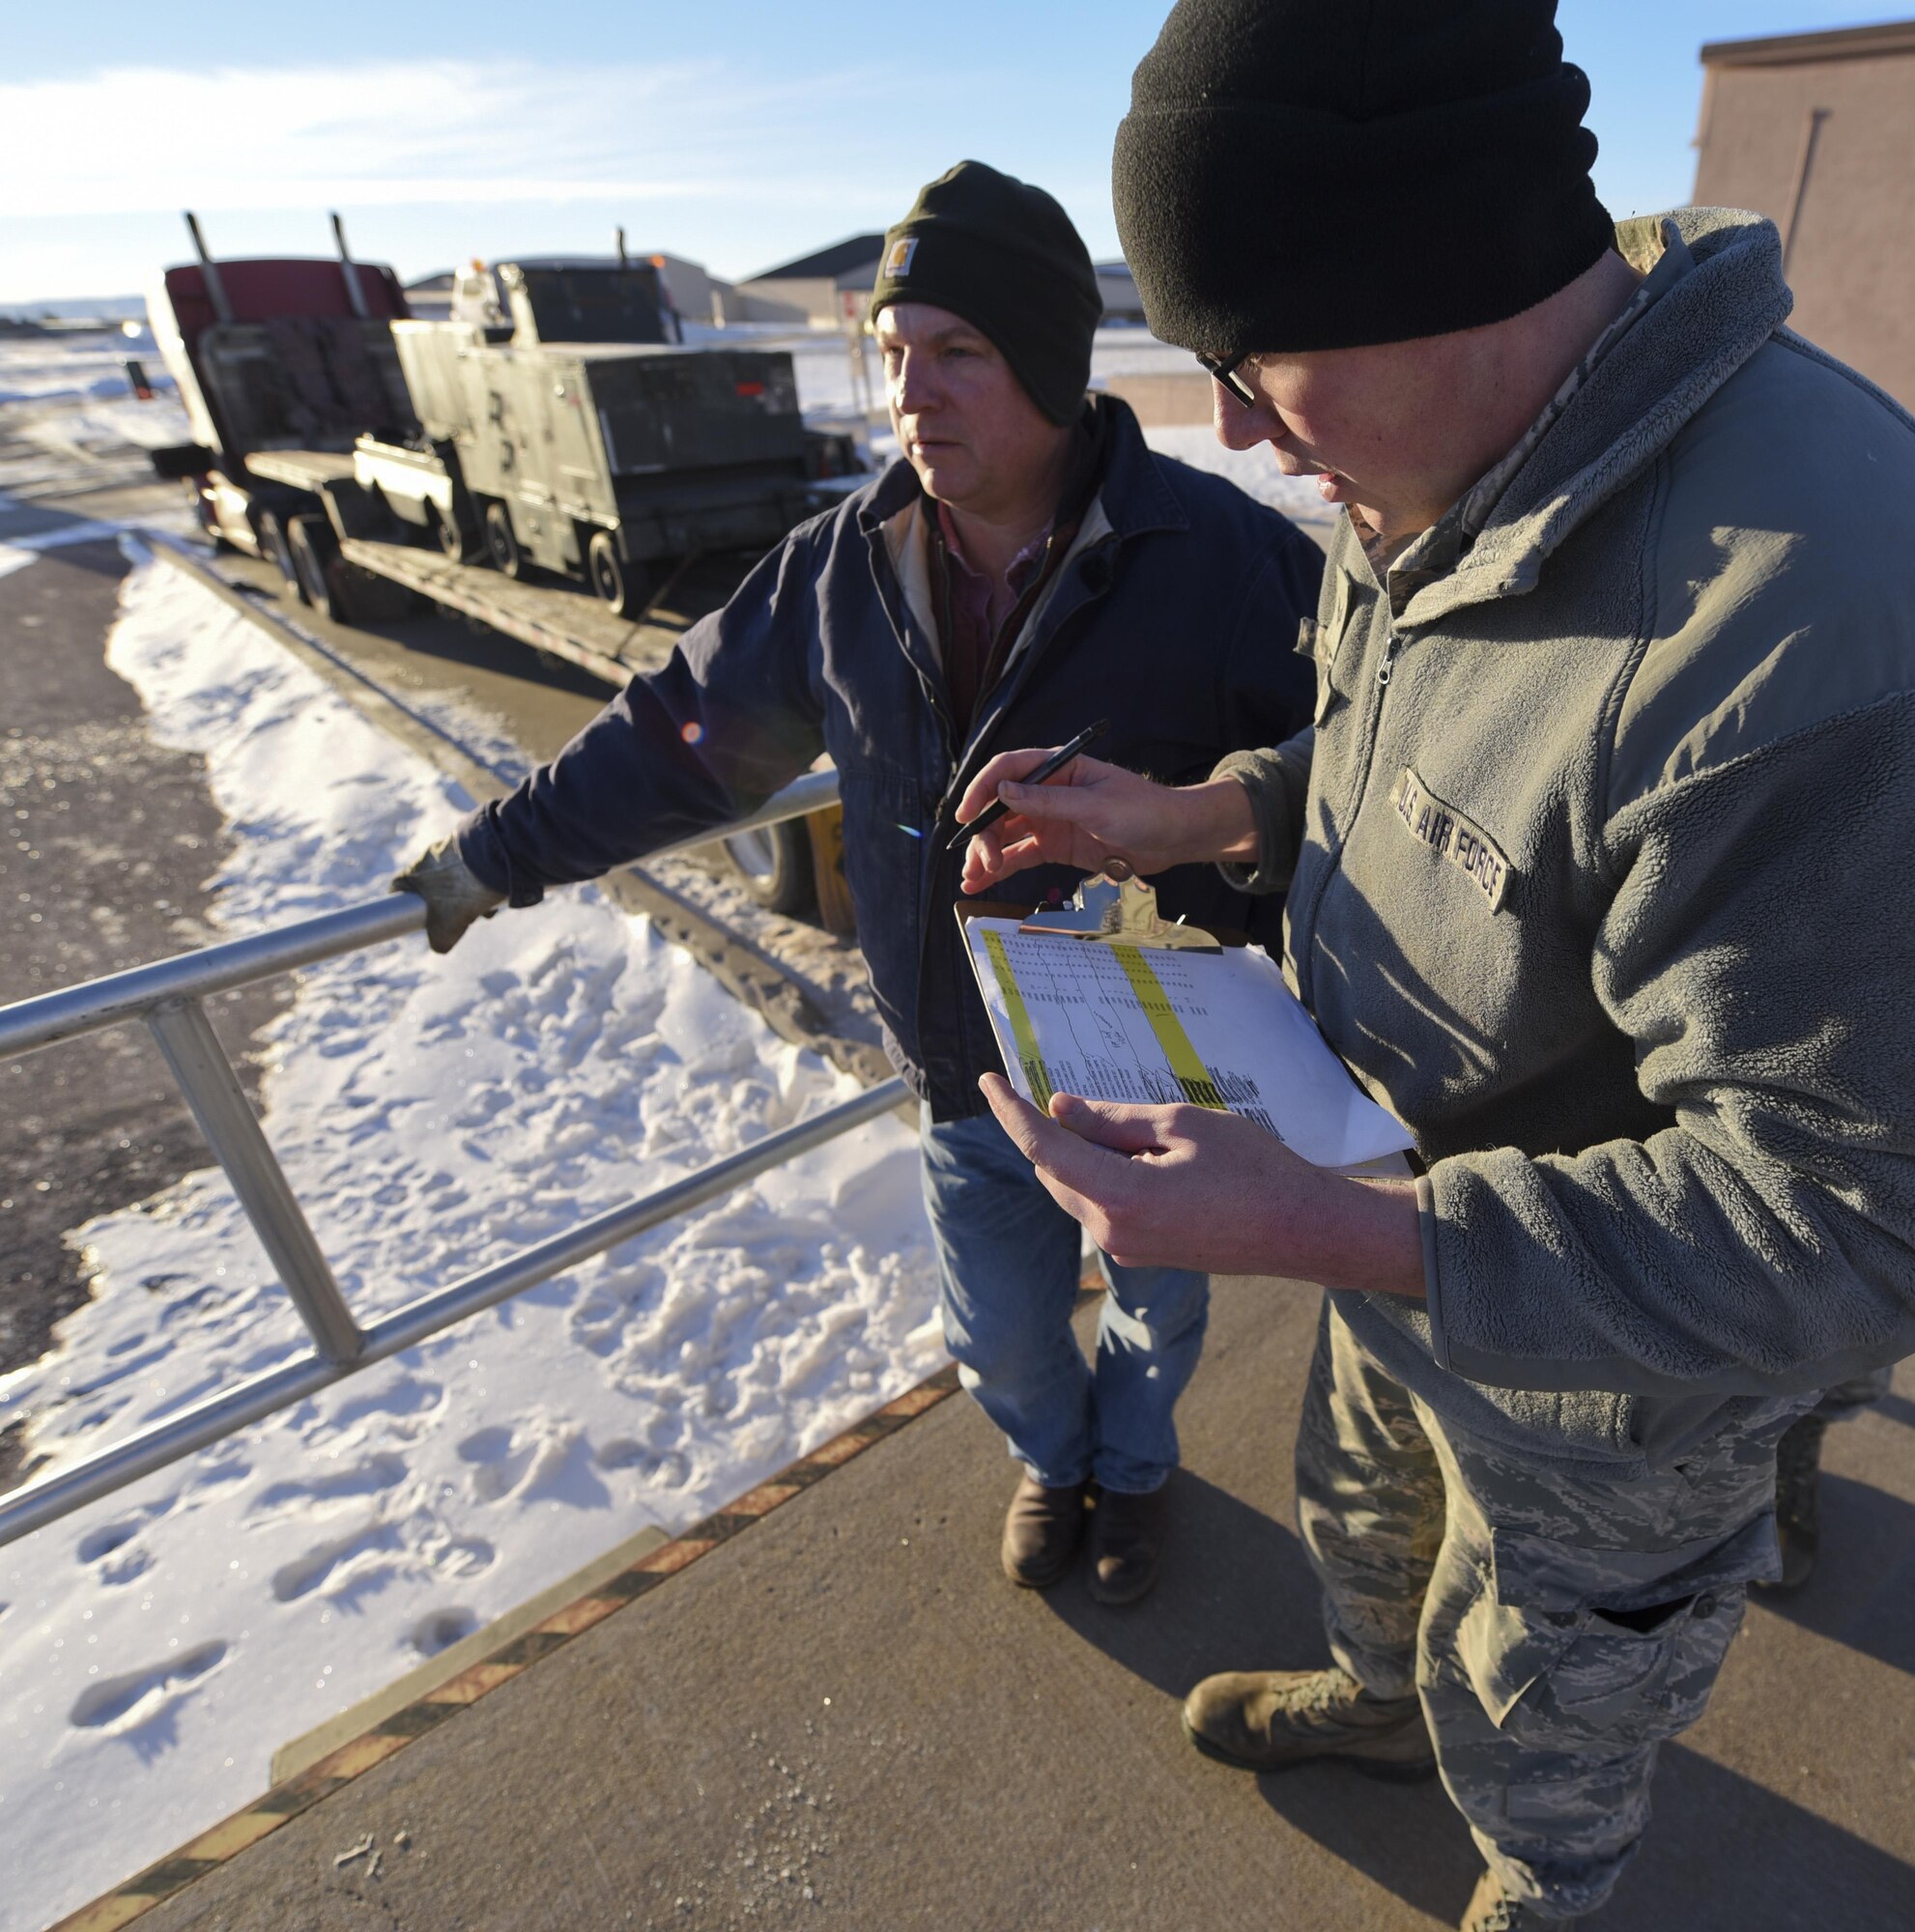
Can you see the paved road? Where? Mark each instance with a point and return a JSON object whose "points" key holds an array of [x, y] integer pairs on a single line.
{"points": [[846, 1699], [106, 840]]}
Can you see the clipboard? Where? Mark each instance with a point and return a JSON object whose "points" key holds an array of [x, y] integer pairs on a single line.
{"points": [[1106, 999]]}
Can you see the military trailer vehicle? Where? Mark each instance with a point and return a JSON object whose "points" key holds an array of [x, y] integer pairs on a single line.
{"points": [[277, 355], [587, 443]]}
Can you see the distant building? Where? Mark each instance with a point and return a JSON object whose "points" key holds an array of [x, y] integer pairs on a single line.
{"points": [[838, 282], [1118, 287], [430, 298], [816, 288], [1818, 133]]}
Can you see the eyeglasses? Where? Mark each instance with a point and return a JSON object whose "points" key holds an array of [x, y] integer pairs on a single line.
{"points": [[1222, 371]]}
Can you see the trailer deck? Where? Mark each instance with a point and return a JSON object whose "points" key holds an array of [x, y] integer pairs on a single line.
{"points": [[303, 468], [553, 618]]}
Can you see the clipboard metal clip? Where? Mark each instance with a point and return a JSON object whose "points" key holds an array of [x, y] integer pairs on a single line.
{"points": [[1118, 914]]}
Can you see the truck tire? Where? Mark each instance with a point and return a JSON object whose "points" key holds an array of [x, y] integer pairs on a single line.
{"points": [[277, 551], [622, 587], [452, 541], [774, 863], [313, 548], [502, 545], [341, 590]]}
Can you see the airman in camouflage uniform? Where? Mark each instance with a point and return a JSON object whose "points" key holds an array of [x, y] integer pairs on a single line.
{"points": [[1613, 652]]}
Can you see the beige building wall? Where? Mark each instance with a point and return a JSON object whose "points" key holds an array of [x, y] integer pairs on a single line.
{"points": [[1818, 133], [815, 298]]}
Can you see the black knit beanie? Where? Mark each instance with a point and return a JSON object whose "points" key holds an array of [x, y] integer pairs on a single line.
{"points": [[1315, 174], [1003, 256]]}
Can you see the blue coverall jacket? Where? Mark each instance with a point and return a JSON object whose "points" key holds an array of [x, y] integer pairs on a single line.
{"points": [[1175, 618]]}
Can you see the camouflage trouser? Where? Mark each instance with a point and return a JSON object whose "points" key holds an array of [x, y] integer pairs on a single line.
{"points": [[1558, 1629], [1851, 1396]]}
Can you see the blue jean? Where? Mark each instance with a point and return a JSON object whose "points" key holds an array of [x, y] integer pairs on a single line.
{"points": [[1009, 1257]]}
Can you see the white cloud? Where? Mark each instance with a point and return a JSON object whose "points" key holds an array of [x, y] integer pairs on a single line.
{"points": [[132, 140]]}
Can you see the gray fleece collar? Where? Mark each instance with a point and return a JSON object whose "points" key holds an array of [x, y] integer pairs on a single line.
{"points": [[1728, 298]]}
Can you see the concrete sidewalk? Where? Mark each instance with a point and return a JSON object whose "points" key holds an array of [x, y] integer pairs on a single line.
{"points": [[842, 1717]]}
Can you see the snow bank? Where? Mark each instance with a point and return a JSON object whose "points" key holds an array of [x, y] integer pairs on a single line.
{"points": [[40, 367], [434, 1115], [1254, 472]]}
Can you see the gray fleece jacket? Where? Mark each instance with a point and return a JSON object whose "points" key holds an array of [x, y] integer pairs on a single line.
{"points": [[1599, 861]]}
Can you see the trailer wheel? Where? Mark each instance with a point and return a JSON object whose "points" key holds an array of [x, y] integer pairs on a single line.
{"points": [[774, 861], [310, 544], [277, 550], [341, 590], [452, 541], [622, 587], [501, 545]]}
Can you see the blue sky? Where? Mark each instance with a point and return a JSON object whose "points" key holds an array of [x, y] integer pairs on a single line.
{"points": [[737, 133]]}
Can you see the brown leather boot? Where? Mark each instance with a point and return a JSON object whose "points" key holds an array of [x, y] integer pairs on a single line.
{"points": [[1041, 1531], [1492, 1910], [1266, 1720], [1127, 1541]]}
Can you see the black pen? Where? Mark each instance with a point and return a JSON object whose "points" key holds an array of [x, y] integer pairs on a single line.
{"points": [[1049, 769]]}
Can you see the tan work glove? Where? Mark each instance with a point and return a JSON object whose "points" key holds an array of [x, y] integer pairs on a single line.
{"points": [[454, 894]]}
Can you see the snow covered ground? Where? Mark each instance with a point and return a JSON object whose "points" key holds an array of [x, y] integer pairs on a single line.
{"points": [[1254, 472], [434, 1115], [68, 420], [43, 366]]}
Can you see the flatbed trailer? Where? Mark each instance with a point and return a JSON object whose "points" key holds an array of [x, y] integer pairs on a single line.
{"points": [[554, 619], [352, 564]]}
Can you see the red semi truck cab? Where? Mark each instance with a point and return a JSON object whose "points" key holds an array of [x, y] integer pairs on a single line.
{"points": [[287, 354]]}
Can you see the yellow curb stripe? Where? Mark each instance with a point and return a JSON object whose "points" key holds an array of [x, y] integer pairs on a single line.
{"points": [[763, 1499], [224, 1841], [107, 1914], [575, 1619], [229, 1838], [354, 1760], [472, 1682]]}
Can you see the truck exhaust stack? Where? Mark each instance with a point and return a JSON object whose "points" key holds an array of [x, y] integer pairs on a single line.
{"points": [[215, 289], [355, 295]]}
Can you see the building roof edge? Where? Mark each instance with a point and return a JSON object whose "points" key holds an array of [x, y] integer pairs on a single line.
{"points": [[1892, 37]]}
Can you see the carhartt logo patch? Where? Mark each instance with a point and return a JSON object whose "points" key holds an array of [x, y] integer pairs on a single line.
{"points": [[898, 259], [1450, 835]]}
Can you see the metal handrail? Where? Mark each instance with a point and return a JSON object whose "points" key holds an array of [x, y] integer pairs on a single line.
{"points": [[167, 996], [51, 1017]]}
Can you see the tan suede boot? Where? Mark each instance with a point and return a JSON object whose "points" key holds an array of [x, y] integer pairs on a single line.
{"points": [[1492, 1910], [1267, 1720]]}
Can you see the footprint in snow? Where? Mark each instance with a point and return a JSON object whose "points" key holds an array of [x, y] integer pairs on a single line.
{"points": [[369, 1478], [406, 1397], [495, 1467], [113, 1548], [442, 1630], [120, 1704], [351, 1566], [342, 1557], [103, 1542]]}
